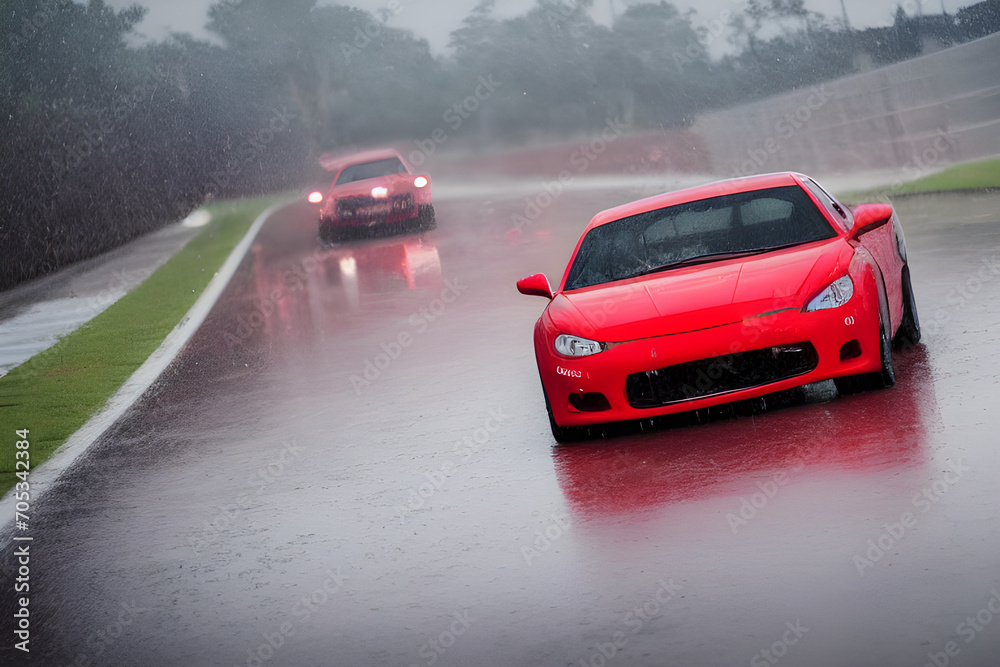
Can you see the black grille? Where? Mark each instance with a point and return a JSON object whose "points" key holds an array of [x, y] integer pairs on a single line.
{"points": [[719, 375], [369, 206]]}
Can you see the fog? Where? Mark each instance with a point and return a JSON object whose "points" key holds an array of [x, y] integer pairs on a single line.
{"points": [[435, 20], [384, 388], [114, 129]]}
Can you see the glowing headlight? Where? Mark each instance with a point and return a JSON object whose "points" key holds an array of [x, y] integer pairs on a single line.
{"points": [[420, 182], [574, 346], [379, 192], [837, 294], [315, 197]]}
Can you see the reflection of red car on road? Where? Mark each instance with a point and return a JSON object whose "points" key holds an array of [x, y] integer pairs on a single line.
{"points": [[373, 193], [727, 456], [720, 293]]}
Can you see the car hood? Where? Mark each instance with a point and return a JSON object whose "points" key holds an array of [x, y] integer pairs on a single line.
{"points": [[701, 296]]}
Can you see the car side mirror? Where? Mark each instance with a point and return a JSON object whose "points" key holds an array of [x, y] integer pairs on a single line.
{"points": [[536, 285], [870, 216]]}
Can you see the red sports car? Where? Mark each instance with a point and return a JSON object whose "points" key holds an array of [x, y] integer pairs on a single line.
{"points": [[719, 293], [373, 193]]}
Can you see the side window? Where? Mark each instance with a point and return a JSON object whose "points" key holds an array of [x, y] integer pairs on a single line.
{"points": [[839, 212], [767, 209]]}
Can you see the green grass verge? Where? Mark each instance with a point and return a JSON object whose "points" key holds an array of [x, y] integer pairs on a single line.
{"points": [[969, 176], [980, 175], [55, 392]]}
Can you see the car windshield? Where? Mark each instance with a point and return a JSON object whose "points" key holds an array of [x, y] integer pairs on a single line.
{"points": [[705, 230], [376, 169]]}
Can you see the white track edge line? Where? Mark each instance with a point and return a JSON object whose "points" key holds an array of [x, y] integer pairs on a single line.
{"points": [[44, 477]]}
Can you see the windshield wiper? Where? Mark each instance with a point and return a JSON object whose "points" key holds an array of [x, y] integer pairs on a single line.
{"points": [[714, 257]]}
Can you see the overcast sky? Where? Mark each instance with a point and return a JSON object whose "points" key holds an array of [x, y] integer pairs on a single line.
{"points": [[435, 19]]}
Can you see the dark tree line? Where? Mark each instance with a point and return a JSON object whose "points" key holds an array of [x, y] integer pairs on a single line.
{"points": [[103, 140]]}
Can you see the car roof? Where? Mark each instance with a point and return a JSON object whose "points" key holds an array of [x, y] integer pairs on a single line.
{"points": [[715, 189], [335, 163]]}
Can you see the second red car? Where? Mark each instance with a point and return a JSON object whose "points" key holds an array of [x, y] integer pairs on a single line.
{"points": [[373, 193]]}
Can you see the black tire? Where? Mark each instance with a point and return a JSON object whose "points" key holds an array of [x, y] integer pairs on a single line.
{"points": [[909, 329], [425, 217], [562, 434], [887, 376], [881, 379], [558, 432], [325, 233]]}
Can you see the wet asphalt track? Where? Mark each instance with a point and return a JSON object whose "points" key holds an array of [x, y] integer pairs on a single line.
{"points": [[351, 465]]}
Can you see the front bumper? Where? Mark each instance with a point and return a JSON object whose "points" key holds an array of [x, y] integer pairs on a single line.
{"points": [[681, 372], [366, 211]]}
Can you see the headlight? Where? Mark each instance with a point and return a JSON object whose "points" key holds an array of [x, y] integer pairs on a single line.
{"points": [[838, 293], [315, 197], [574, 346], [379, 192], [420, 182]]}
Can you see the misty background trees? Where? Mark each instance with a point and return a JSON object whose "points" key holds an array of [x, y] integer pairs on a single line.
{"points": [[104, 139]]}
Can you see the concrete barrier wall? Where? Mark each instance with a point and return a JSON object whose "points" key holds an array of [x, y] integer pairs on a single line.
{"points": [[916, 116]]}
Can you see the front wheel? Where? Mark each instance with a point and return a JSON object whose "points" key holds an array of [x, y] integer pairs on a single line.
{"points": [[909, 328], [562, 434], [325, 233], [425, 217]]}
